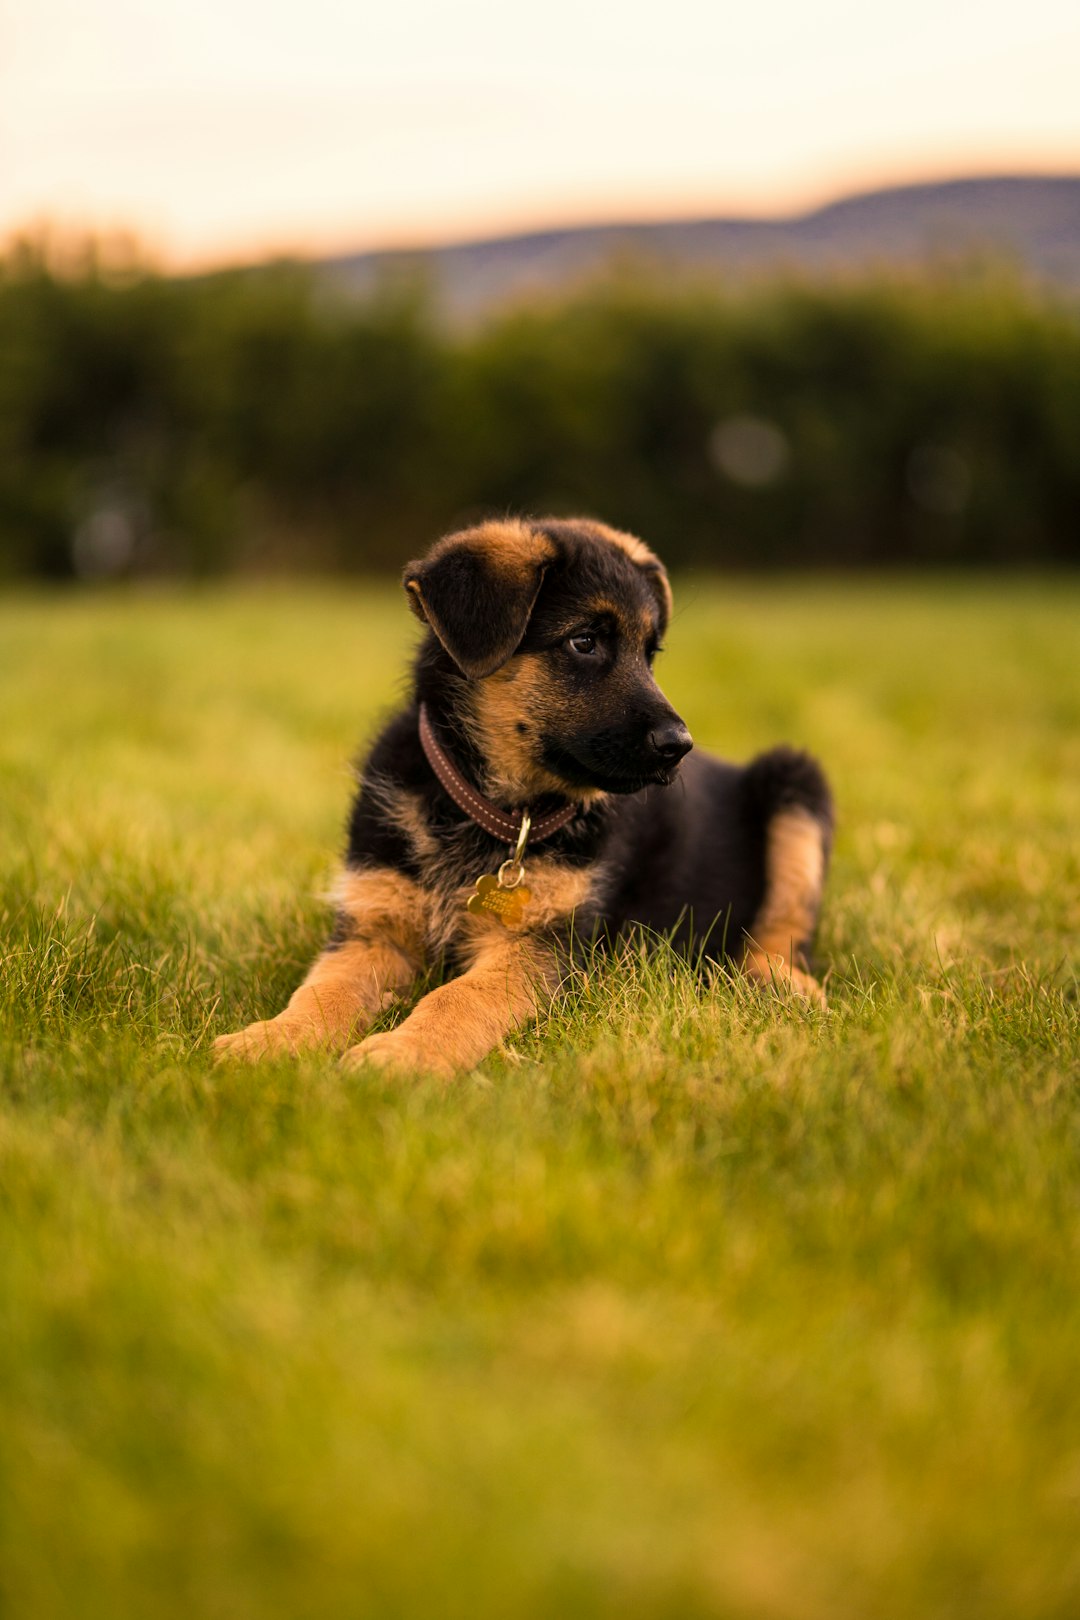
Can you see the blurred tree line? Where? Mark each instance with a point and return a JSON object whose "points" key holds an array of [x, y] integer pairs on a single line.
{"points": [[258, 420]]}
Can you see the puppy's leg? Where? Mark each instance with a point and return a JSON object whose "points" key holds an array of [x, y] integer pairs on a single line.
{"points": [[344, 989], [378, 952], [787, 917], [510, 981]]}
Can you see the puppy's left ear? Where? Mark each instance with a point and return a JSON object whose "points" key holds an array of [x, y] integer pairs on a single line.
{"points": [[477, 589]]}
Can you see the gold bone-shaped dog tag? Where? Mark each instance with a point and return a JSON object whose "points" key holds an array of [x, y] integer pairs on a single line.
{"points": [[491, 899]]}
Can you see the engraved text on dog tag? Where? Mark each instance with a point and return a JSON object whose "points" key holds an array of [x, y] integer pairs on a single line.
{"points": [[493, 899]]}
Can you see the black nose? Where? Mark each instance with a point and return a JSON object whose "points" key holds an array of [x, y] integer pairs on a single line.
{"points": [[670, 742]]}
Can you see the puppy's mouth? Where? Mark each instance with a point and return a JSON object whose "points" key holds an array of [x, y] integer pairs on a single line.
{"points": [[662, 777], [578, 773]]}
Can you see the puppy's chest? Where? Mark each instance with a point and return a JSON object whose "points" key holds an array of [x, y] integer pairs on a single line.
{"points": [[464, 897]]}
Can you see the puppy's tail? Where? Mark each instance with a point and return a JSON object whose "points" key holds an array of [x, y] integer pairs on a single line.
{"points": [[787, 796]]}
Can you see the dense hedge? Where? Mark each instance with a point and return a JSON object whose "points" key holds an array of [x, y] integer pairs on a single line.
{"points": [[254, 420]]}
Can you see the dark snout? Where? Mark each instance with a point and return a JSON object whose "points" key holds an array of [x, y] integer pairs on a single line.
{"points": [[632, 749], [634, 740], [668, 743]]}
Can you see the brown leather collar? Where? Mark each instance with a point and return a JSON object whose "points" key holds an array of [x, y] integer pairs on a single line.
{"points": [[505, 824]]}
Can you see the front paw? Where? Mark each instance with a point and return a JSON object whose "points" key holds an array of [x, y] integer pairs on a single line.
{"points": [[269, 1038], [398, 1052]]}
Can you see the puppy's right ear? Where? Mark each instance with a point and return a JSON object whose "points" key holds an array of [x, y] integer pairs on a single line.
{"points": [[477, 590]]}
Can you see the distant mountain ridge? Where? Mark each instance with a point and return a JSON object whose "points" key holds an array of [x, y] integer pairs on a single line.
{"points": [[1034, 221]]}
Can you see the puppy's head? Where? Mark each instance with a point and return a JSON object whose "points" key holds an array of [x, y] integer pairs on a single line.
{"points": [[555, 626]]}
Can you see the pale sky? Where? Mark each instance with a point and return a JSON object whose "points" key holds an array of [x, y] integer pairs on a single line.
{"points": [[217, 130]]}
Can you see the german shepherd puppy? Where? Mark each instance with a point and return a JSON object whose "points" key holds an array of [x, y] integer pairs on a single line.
{"points": [[534, 793]]}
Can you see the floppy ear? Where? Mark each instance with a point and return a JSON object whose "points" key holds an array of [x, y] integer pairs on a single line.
{"points": [[476, 590]]}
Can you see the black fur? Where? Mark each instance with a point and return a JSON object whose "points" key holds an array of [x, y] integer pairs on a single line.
{"points": [[690, 858]]}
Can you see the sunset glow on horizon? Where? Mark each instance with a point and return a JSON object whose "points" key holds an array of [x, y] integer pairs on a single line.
{"points": [[223, 132]]}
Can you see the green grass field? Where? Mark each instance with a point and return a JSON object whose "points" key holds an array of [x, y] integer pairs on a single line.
{"points": [[680, 1306]]}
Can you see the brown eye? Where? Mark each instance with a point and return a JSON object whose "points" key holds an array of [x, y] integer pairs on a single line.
{"points": [[584, 645]]}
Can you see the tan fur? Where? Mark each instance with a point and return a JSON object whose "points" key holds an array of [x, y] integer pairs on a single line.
{"points": [[515, 547], [784, 925], [556, 891], [343, 991], [458, 1024], [517, 694], [347, 986], [510, 977], [383, 904]]}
